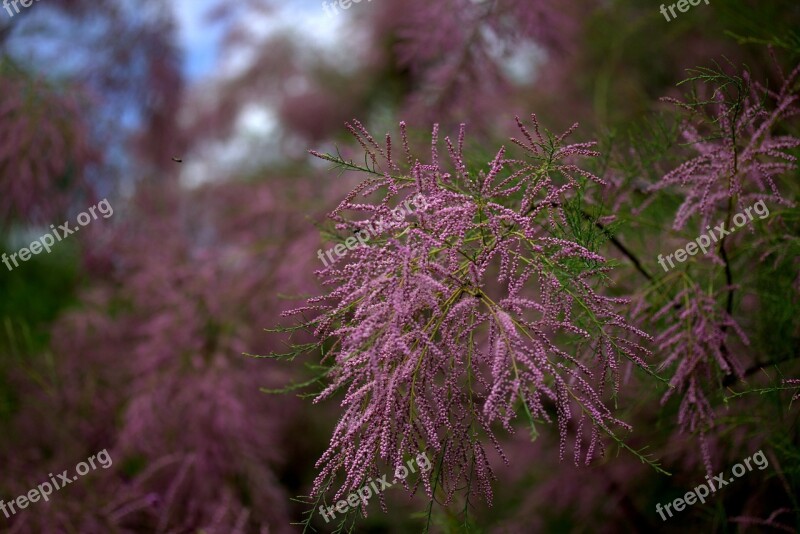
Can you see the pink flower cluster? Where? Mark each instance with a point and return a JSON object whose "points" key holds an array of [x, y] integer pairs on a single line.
{"points": [[486, 302], [44, 150], [741, 158]]}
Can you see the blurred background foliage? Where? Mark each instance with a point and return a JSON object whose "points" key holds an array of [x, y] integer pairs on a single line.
{"points": [[130, 337]]}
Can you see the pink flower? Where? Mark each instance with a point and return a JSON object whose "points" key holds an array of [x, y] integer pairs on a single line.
{"points": [[483, 303], [44, 148], [696, 343], [739, 156]]}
